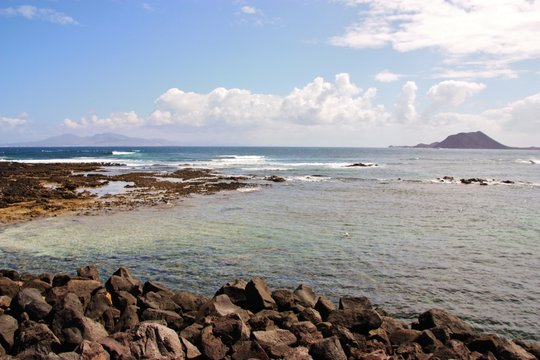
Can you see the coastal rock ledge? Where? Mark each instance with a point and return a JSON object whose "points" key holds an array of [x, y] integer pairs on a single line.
{"points": [[78, 317]]}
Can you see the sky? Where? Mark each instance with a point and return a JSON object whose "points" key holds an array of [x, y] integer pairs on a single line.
{"points": [[361, 73]]}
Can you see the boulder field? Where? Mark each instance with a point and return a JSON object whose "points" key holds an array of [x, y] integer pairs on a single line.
{"points": [[78, 317]]}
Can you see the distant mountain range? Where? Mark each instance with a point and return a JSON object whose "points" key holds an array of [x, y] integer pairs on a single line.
{"points": [[105, 139], [471, 140]]}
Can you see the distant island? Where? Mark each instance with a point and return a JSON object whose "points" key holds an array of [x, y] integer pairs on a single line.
{"points": [[470, 140], [104, 139]]}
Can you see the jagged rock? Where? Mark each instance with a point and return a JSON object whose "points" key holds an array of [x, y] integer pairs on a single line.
{"points": [[441, 318], [258, 296], [310, 314], [34, 340], [244, 350], [380, 335], [122, 280], [122, 299], [156, 287], [128, 319], [355, 303], [236, 291], [173, 320], [40, 285], [83, 288], [390, 324], [212, 347], [190, 350], [116, 350], [306, 333], [298, 353], [284, 299], [375, 355], [305, 295], [31, 301], [428, 341], [328, 349], [60, 279], [99, 309], [356, 320], [91, 350], [10, 274], [158, 300], [276, 342], [192, 333], [274, 178], [231, 329], [89, 272], [8, 327], [533, 348], [324, 306], [403, 336], [500, 347], [220, 305], [71, 326], [188, 301], [410, 351], [154, 341], [8, 287]]}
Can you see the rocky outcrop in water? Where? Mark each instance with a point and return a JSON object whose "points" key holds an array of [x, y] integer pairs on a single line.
{"points": [[78, 317]]}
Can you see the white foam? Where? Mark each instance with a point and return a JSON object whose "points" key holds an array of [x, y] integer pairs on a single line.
{"points": [[528, 161], [125, 152], [309, 178], [248, 189]]}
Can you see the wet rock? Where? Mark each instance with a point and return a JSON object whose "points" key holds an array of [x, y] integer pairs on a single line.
{"points": [[275, 178], [236, 291], [328, 349], [305, 295], [189, 301], [154, 341], [500, 347], [354, 303], [284, 299], [361, 165], [34, 340], [356, 320], [8, 287], [258, 296], [31, 301], [8, 327], [275, 342], [89, 272], [244, 350], [441, 318], [212, 347], [324, 306], [173, 320], [92, 350]]}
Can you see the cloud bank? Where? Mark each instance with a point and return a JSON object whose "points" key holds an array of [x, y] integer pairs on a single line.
{"points": [[13, 121], [34, 13]]}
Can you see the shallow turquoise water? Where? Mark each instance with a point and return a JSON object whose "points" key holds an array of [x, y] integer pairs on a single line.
{"points": [[391, 232]]}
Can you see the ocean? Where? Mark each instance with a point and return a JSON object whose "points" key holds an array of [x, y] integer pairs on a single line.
{"points": [[394, 231]]}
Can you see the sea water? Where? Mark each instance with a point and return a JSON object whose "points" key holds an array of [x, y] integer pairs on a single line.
{"points": [[393, 232]]}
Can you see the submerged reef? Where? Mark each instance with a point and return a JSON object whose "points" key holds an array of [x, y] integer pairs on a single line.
{"points": [[60, 316]]}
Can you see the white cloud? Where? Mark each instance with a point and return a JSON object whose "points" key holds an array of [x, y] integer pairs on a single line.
{"points": [[13, 121], [34, 13], [387, 76], [495, 32], [250, 10], [405, 110], [147, 7], [317, 103], [115, 120], [453, 92]]}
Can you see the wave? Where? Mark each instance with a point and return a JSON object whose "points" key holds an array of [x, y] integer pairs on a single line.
{"points": [[528, 161], [309, 178], [248, 189], [125, 152]]}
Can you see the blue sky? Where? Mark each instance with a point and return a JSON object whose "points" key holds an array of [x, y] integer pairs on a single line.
{"points": [[316, 73]]}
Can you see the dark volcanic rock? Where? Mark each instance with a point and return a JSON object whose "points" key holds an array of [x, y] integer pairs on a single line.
{"points": [[8, 327], [122, 280], [356, 320], [354, 303], [276, 342], [35, 340], [328, 349], [212, 346], [245, 350], [305, 295], [258, 296], [30, 301], [501, 348], [236, 291], [189, 301], [8, 287], [89, 272], [285, 299], [324, 306], [441, 318], [154, 341], [275, 178]]}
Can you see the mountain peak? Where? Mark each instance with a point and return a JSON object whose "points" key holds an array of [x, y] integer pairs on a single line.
{"points": [[470, 140]]}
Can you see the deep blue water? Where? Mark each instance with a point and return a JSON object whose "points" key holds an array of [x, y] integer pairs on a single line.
{"points": [[392, 232]]}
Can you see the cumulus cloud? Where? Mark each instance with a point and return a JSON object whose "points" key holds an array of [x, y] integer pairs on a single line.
{"points": [[13, 121], [453, 92], [115, 120], [34, 13], [317, 103], [496, 33], [387, 76], [248, 10], [405, 111]]}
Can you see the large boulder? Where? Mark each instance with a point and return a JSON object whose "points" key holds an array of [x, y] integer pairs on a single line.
{"points": [[83, 288], [442, 318], [258, 296], [72, 327], [212, 346], [220, 305], [31, 301], [285, 299], [503, 349], [361, 321], [8, 287], [305, 295], [89, 272], [276, 342], [173, 320], [328, 349], [8, 327], [128, 319], [161, 300], [154, 341], [188, 301], [92, 350], [236, 291], [245, 350], [354, 303], [231, 329], [324, 306], [122, 280], [35, 340]]}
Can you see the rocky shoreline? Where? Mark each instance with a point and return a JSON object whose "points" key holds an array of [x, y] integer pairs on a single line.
{"points": [[29, 191], [61, 316]]}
